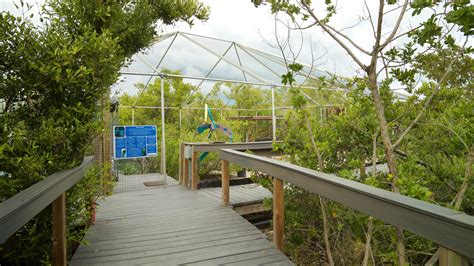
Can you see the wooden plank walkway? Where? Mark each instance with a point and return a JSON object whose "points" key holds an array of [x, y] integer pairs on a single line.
{"points": [[173, 225], [241, 194], [128, 183]]}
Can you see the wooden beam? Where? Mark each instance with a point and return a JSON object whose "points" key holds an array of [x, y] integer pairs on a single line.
{"points": [[249, 209], [225, 180], [447, 227], [194, 167], [448, 257], [186, 173], [278, 213], [59, 230], [181, 163]]}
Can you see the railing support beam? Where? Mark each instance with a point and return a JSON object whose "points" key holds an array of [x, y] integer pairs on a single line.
{"points": [[186, 173], [59, 231], [194, 165], [225, 181], [181, 163], [278, 213], [448, 257]]}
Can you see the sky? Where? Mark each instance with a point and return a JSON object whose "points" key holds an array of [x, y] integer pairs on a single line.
{"points": [[240, 21]]}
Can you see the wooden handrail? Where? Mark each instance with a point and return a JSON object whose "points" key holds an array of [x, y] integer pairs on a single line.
{"points": [[189, 153], [451, 229], [16, 211]]}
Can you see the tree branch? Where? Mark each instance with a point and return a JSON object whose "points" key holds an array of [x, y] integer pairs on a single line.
{"points": [[427, 103], [326, 29], [326, 231], [397, 25], [349, 40], [370, 17]]}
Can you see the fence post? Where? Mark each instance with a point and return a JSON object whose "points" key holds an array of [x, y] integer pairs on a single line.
{"points": [[59, 230], [181, 163], [448, 257], [225, 181], [186, 173], [194, 165], [278, 215]]}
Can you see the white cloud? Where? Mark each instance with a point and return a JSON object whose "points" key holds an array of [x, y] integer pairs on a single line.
{"points": [[240, 21]]}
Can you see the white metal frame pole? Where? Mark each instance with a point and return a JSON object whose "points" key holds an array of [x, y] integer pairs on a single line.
{"points": [[273, 115], [163, 147], [133, 115]]}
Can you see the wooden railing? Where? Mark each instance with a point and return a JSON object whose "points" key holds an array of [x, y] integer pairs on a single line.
{"points": [[452, 230], [21, 208], [189, 155]]}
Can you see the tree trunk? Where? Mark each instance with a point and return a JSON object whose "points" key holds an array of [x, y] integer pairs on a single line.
{"points": [[321, 200], [326, 231], [389, 154], [368, 238], [468, 173], [313, 143], [370, 224]]}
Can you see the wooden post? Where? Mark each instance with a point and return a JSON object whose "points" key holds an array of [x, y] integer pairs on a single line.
{"points": [[448, 257], [225, 181], [59, 230], [181, 163], [186, 173], [278, 215], [194, 165]]}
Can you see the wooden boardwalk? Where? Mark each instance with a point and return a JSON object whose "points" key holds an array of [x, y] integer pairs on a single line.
{"points": [[240, 194], [173, 225], [128, 183]]}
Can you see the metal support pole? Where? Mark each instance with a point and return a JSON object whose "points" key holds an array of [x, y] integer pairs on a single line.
{"points": [[273, 115], [250, 73], [215, 65], [163, 148], [155, 69], [238, 58]]}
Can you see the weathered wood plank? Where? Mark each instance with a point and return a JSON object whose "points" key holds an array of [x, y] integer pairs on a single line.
{"points": [[186, 172], [237, 258], [21, 208], [162, 238], [225, 181], [169, 226], [240, 195], [169, 243], [278, 212], [59, 230], [274, 259], [194, 171]]}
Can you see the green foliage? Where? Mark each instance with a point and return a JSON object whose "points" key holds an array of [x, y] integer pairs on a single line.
{"points": [[464, 17], [53, 78], [428, 33], [435, 154], [183, 95]]}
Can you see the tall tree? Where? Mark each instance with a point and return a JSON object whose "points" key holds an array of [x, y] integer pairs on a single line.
{"points": [[390, 55], [51, 78]]}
